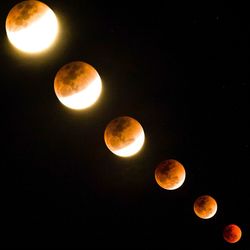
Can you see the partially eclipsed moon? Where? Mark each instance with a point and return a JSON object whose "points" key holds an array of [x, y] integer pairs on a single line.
{"points": [[170, 174], [205, 207], [232, 233], [77, 85], [124, 136], [31, 26]]}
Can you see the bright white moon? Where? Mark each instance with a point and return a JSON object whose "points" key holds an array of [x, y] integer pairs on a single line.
{"points": [[77, 85], [31, 26]]}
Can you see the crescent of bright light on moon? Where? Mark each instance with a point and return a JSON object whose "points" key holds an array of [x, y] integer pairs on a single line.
{"points": [[124, 136], [179, 184], [84, 98], [132, 148], [36, 36], [211, 214]]}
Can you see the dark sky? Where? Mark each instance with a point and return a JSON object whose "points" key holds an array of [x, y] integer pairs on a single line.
{"points": [[182, 72]]}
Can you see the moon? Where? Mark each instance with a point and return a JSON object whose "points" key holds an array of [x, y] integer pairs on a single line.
{"points": [[170, 174], [31, 26], [77, 85], [232, 233], [205, 207], [124, 136]]}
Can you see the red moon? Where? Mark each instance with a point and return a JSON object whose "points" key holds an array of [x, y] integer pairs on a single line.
{"points": [[232, 233], [170, 174], [205, 207]]}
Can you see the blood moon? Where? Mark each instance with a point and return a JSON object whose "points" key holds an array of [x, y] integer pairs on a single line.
{"points": [[124, 136], [31, 26], [170, 174], [77, 85], [232, 233], [205, 207]]}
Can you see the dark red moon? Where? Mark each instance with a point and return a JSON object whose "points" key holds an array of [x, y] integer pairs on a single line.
{"points": [[232, 233]]}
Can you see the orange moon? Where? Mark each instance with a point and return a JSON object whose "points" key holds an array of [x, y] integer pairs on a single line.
{"points": [[205, 207], [124, 136], [31, 26], [232, 233], [77, 85], [170, 174]]}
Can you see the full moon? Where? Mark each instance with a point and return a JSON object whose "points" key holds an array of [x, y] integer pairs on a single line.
{"points": [[77, 85], [205, 207], [232, 233], [124, 136], [31, 26], [170, 174]]}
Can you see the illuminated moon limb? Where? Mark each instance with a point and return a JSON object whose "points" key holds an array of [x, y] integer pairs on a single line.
{"points": [[36, 36], [133, 148], [210, 215], [181, 181], [178, 184], [85, 98]]}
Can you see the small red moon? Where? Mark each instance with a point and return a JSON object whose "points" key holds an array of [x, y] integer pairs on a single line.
{"points": [[170, 174], [232, 233]]}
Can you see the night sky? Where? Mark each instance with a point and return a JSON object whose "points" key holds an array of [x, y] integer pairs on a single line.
{"points": [[182, 72]]}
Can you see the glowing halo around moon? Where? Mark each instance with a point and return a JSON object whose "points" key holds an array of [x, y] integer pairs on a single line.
{"points": [[124, 136], [205, 207], [31, 26], [170, 174], [77, 85]]}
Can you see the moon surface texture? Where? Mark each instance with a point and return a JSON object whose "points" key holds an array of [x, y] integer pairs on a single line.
{"points": [[170, 174], [77, 85], [124, 136], [31, 26], [232, 233], [205, 207]]}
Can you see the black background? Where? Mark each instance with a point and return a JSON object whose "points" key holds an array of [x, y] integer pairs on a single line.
{"points": [[182, 72]]}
